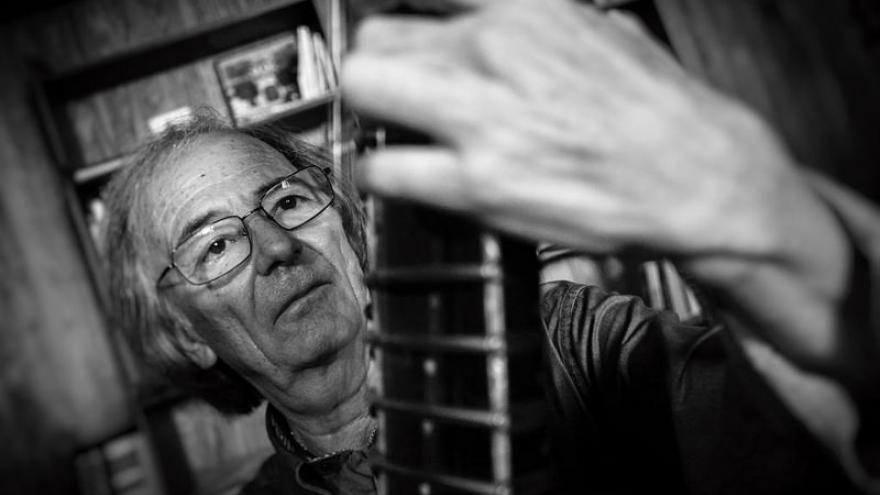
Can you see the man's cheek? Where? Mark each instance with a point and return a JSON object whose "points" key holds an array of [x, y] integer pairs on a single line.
{"points": [[355, 275]]}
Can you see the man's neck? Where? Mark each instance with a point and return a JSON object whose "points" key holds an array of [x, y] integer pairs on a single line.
{"points": [[343, 426], [355, 435]]}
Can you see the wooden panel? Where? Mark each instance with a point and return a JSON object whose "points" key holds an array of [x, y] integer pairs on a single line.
{"points": [[59, 387], [88, 30], [221, 453], [812, 68], [115, 122]]}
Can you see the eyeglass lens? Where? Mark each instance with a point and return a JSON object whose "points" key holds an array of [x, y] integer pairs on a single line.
{"points": [[220, 247], [298, 198]]}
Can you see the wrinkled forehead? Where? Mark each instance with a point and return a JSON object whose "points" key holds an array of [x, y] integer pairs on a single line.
{"points": [[219, 172]]}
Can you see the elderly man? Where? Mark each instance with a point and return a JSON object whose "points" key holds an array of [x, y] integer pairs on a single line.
{"points": [[237, 264]]}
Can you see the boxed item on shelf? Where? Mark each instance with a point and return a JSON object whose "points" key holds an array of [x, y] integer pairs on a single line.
{"points": [[275, 75]]}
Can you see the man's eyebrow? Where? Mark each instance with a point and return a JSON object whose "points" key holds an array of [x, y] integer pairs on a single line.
{"points": [[194, 225], [199, 222], [264, 188]]}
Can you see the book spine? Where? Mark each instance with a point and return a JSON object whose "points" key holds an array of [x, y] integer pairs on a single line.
{"points": [[653, 286], [306, 74], [674, 289], [328, 72]]}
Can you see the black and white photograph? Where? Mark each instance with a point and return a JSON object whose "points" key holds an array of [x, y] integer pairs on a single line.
{"points": [[440, 247]]}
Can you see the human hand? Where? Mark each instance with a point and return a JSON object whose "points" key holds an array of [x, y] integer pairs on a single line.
{"points": [[557, 122]]}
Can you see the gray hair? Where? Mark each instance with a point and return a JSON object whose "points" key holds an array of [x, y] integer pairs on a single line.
{"points": [[150, 323]]}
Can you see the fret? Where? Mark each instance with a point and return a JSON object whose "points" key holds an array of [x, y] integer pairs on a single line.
{"points": [[457, 341]]}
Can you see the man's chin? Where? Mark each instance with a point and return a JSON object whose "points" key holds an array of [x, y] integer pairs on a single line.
{"points": [[327, 379], [312, 343], [321, 360]]}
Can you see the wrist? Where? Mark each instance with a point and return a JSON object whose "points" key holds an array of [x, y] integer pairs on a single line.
{"points": [[790, 288], [768, 217]]}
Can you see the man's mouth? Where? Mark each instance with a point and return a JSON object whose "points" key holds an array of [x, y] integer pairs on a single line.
{"points": [[301, 297]]}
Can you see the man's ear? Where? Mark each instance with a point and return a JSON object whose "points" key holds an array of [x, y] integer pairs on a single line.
{"points": [[197, 351], [182, 335]]}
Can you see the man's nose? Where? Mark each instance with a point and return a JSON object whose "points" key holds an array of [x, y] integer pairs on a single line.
{"points": [[272, 245]]}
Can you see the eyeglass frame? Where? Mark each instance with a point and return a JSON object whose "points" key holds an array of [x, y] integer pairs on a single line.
{"points": [[172, 266]]}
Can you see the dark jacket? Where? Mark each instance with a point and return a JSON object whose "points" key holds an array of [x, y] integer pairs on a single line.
{"points": [[651, 405]]}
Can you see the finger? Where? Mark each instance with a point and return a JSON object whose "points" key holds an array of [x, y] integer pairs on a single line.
{"points": [[398, 33], [643, 44], [433, 97], [426, 174], [432, 176], [626, 20]]}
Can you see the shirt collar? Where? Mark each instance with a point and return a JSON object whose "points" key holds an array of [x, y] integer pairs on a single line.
{"points": [[283, 440]]}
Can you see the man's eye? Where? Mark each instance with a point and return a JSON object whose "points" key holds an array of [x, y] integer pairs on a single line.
{"points": [[217, 247], [287, 203]]}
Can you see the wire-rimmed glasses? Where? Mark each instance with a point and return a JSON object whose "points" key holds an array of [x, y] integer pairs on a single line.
{"points": [[219, 248]]}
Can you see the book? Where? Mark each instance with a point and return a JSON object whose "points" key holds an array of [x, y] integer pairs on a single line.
{"points": [[261, 79], [307, 75], [674, 289], [322, 55], [652, 285], [123, 465]]}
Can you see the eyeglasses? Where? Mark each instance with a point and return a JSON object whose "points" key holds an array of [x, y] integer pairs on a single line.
{"points": [[219, 248]]}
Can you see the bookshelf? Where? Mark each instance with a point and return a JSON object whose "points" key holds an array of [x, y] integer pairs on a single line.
{"points": [[93, 117]]}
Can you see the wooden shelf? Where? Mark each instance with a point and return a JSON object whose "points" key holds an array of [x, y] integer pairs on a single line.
{"points": [[179, 50], [301, 115], [99, 170], [300, 110]]}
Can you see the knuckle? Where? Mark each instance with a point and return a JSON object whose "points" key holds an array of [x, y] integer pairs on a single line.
{"points": [[486, 36], [627, 20], [371, 31], [482, 185]]}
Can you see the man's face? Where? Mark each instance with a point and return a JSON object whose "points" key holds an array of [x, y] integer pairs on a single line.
{"points": [[291, 318]]}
